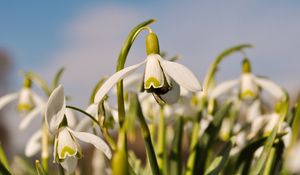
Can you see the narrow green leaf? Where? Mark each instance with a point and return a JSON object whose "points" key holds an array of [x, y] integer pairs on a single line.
{"points": [[146, 135], [57, 77], [175, 155], [39, 168], [218, 163], [4, 170], [296, 123], [3, 158]]}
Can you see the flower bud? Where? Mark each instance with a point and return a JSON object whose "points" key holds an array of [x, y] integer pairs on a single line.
{"points": [[152, 45], [246, 66]]}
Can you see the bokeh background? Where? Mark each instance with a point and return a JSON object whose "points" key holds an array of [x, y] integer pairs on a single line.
{"points": [[86, 36]]}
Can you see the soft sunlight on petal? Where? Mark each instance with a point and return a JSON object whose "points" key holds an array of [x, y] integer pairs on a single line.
{"points": [[55, 109], [94, 140], [182, 75], [223, 88], [154, 76], [4, 100], [271, 87], [33, 145], [109, 83]]}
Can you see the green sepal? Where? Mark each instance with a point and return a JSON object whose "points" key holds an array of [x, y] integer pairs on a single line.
{"points": [[152, 44]]}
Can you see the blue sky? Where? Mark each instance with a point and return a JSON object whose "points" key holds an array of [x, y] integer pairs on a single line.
{"points": [[44, 36]]}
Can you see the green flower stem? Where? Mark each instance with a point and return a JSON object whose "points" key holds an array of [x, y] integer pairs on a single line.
{"points": [[121, 63], [120, 165], [121, 151], [161, 143], [296, 124], [3, 158], [147, 137], [214, 66], [45, 147], [193, 149], [269, 163], [82, 111], [104, 130], [175, 156]]}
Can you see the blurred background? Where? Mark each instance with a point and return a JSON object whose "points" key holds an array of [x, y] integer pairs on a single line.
{"points": [[86, 36]]}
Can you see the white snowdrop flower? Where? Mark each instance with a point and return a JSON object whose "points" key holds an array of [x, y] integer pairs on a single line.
{"points": [[66, 147], [293, 159], [162, 78], [249, 85], [30, 105]]}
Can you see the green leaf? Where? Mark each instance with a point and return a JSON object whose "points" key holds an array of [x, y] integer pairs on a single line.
{"points": [[57, 77], [296, 123], [39, 168], [175, 155], [4, 170], [146, 135], [214, 66], [3, 158], [24, 165], [218, 163]]}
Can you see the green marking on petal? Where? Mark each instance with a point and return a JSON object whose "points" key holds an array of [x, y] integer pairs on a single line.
{"points": [[152, 81], [248, 93], [67, 150], [24, 107]]}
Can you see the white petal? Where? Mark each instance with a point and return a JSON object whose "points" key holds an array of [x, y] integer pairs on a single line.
{"points": [[55, 109], [272, 120], [256, 125], [30, 116], [271, 87], [92, 110], [133, 82], [94, 140], [66, 145], [26, 97], [71, 118], [253, 111], [182, 75], [154, 76], [33, 146], [4, 100], [249, 87], [84, 124], [69, 164], [109, 83], [223, 88], [173, 95]]}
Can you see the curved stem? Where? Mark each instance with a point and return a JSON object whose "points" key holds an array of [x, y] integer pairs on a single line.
{"points": [[82, 111], [214, 66]]}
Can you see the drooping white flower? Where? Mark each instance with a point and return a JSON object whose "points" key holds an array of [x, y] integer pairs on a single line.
{"points": [[66, 147], [30, 105], [162, 78], [249, 86], [33, 145]]}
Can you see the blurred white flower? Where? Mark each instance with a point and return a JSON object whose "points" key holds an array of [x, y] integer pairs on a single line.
{"points": [[30, 105]]}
